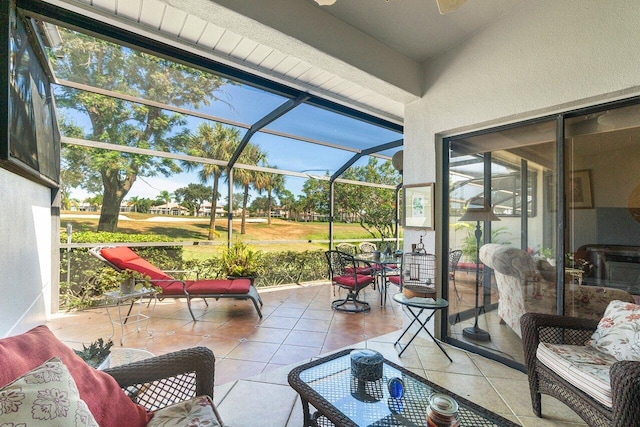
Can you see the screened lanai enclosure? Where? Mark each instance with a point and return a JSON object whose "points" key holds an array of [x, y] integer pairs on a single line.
{"points": [[139, 119]]}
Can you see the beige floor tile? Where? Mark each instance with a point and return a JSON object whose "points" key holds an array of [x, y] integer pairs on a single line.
{"points": [[288, 354], [296, 418], [546, 422], [433, 359], [251, 404], [254, 351], [472, 387], [517, 396], [490, 368]]}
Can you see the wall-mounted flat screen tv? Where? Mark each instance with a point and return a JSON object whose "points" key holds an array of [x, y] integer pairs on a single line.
{"points": [[30, 140]]}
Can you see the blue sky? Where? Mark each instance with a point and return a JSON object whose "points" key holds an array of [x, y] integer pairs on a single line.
{"points": [[244, 104]]}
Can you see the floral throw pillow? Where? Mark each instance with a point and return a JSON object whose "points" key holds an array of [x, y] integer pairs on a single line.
{"points": [[618, 332], [45, 396]]}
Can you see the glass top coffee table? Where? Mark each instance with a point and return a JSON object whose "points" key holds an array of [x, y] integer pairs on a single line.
{"points": [[341, 400]]}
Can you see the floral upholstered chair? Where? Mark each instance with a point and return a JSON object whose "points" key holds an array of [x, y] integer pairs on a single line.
{"points": [[522, 289], [592, 366]]}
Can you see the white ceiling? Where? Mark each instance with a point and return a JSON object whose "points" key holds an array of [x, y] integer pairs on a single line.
{"points": [[415, 28], [366, 54]]}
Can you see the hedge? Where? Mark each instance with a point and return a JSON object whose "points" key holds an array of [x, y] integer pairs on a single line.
{"points": [[87, 274]]}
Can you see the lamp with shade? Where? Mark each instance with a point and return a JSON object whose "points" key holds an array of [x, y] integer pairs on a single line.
{"points": [[478, 215]]}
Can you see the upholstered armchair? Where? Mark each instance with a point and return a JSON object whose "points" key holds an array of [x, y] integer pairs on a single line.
{"points": [[522, 289]]}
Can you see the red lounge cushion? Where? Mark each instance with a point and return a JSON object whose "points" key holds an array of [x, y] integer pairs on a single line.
{"points": [[118, 255], [106, 400], [218, 286], [123, 258], [351, 281]]}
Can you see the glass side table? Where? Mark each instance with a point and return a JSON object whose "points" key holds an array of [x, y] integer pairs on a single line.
{"points": [[121, 299]]}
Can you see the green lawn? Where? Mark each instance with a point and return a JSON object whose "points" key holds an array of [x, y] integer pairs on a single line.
{"points": [[196, 229]]}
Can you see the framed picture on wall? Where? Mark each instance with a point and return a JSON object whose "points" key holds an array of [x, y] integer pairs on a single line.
{"points": [[418, 203], [580, 192]]}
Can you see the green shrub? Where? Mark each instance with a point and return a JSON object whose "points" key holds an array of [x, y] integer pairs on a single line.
{"points": [[86, 285]]}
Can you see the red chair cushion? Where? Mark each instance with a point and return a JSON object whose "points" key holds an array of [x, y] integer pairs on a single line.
{"points": [[102, 394], [359, 270], [353, 281], [394, 279], [218, 286]]}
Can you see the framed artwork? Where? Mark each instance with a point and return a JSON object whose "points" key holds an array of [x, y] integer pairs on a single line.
{"points": [[580, 192], [418, 204]]}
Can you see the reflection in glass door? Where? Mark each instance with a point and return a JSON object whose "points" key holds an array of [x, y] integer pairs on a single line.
{"points": [[512, 171], [602, 186]]}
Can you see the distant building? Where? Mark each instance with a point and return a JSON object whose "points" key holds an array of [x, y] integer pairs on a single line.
{"points": [[169, 209]]}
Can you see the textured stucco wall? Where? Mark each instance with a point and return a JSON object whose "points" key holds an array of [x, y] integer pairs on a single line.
{"points": [[544, 57], [25, 253]]}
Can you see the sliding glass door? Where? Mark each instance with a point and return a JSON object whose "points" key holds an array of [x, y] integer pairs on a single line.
{"points": [[510, 172]]}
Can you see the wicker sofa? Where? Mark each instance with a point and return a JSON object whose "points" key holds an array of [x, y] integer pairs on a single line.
{"points": [[621, 392], [171, 390], [523, 289]]}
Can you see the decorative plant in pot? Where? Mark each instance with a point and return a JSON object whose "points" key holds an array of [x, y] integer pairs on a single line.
{"points": [[97, 354], [127, 280], [241, 260]]}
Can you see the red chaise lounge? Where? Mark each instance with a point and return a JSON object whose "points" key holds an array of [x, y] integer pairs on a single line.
{"points": [[122, 258]]}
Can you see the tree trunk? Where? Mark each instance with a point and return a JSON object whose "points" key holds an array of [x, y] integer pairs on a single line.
{"points": [[110, 209], [244, 209], [114, 193], [214, 205], [269, 207]]}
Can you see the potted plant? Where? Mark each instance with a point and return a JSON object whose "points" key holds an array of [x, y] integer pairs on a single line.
{"points": [[127, 280], [97, 354], [549, 254], [241, 260]]}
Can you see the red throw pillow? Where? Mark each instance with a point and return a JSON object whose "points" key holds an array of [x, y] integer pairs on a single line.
{"points": [[104, 397]]}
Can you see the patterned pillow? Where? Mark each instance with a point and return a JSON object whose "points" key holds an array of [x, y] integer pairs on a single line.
{"points": [[44, 396], [618, 332]]}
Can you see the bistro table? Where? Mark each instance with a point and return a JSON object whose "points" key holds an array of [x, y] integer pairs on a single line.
{"points": [[342, 400], [387, 265], [430, 304]]}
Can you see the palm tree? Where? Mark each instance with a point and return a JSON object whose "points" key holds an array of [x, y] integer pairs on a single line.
{"points": [[165, 197], [244, 178], [213, 142], [134, 200], [271, 182]]}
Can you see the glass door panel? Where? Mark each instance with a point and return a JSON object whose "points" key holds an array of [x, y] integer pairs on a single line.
{"points": [[512, 172], [602, 186]]}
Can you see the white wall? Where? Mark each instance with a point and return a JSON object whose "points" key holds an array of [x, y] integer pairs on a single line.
{"points": [[545, 56], [25, 253]]}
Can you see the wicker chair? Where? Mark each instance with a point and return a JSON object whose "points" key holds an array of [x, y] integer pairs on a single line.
{"points": [[624, 375], [163, 380]]}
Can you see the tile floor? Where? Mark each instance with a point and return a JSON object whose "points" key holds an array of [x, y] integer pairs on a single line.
{"points": [[253, 356]]}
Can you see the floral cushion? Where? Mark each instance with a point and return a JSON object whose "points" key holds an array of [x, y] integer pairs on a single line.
{"points": [[618, 332], [44, 396], [31, 349], [583, 366], [196, 412]]}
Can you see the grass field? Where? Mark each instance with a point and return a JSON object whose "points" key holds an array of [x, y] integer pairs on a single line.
{"points": [[278, 236]]}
